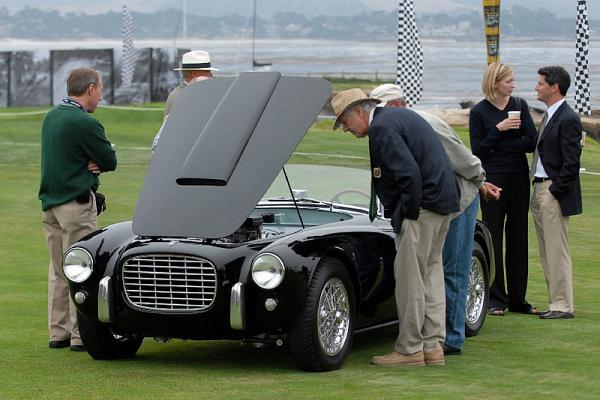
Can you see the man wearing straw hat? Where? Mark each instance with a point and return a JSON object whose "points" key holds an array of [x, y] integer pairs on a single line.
{"points": [[195, 65], [412, 176]]}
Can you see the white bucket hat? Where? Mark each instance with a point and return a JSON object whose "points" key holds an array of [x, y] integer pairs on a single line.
{"points": [[197, 60], [387, 92]]}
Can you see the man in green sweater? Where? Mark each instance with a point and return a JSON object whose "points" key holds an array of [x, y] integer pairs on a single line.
{"points": [[74, 152]]}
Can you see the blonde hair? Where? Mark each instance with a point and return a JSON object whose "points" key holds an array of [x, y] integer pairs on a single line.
{"points": [[494, 73]]}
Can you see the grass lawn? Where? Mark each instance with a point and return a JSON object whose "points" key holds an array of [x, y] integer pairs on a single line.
{"points": [[515, 356]]}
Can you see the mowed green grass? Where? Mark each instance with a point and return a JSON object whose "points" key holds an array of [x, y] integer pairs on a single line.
{"points": [[514, 357]]}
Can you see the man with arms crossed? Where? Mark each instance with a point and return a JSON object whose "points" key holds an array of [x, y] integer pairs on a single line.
{"points": [[556, 188], [74, 152], [413, 178]]}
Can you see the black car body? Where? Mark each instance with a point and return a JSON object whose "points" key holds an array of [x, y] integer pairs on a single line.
{"points": [[292, 270]]}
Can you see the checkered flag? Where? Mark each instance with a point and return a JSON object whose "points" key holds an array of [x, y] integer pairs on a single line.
{"points": [[582, 74], [409, 72], [128, 60]]}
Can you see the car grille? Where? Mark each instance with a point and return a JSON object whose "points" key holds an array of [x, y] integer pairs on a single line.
{"points": [[169, 283]]}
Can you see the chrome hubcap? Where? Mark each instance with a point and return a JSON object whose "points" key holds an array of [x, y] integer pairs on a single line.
{"points": [[333, 316], [475, 291]]}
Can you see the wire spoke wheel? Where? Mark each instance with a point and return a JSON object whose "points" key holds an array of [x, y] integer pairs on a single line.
{"points": [[333, 316], [478, 292], [321, 336], [475, 292]]}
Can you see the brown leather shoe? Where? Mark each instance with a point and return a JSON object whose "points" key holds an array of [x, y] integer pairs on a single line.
{"points": [[434, 356], [395, 359]]}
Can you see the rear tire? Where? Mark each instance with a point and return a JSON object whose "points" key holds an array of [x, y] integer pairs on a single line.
{"points": [[478, 291], [322, 334], [103, 344]]}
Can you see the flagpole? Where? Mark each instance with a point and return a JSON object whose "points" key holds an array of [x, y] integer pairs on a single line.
{"points": [[128, 57], [491, 20], [582, 74], [409, 70]]}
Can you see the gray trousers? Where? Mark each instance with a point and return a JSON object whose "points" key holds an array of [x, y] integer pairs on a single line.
{"points": [[64, 225], [419, 273]]}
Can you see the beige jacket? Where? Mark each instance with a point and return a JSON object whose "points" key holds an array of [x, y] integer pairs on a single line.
{"points": [[467, 167]]}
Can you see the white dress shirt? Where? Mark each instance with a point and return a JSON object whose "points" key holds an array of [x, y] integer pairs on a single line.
{"points": [[540, 172]]}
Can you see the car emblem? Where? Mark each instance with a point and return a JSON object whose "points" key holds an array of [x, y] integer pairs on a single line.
{"points": [[377, 172]]}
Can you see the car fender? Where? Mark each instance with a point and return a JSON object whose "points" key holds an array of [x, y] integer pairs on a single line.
{"points": [[483, 236]]}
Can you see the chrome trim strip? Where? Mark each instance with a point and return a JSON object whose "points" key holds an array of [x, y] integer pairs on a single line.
{"points": [[378, 326], [104, 300], [237, 318]]}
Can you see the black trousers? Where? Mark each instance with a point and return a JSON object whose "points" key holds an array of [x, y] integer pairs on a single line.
{"points": [[507, 220]]}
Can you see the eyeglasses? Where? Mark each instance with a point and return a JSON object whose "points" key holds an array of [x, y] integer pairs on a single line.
{"points": [[345, 115]]}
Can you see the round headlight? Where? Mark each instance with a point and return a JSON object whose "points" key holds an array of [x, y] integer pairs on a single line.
{"points": [[268, 271], [78, 264]]}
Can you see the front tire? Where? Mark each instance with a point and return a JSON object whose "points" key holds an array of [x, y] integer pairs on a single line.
{"points": [[478, 291], [322, 334], [103, 344]]}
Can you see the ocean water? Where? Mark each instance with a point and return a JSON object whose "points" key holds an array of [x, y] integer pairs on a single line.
{"points": [[452, 69]]}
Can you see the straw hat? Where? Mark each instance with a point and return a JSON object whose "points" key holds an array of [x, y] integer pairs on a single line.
{"points": [[197, 60], [387, 92], [345, 100]]}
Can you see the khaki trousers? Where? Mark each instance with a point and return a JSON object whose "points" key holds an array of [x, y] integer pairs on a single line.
{"points": [[551, 228], [419, 273], [64, 225]]}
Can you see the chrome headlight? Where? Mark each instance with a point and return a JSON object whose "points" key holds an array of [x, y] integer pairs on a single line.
{"points": [[78, 264], [268, 271]]}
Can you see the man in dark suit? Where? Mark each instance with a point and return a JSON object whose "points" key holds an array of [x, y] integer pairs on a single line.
{"points": [[556, 188], [413, 178]]}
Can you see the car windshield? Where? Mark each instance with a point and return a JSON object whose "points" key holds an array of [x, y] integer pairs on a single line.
{"points": [[323, 182]]}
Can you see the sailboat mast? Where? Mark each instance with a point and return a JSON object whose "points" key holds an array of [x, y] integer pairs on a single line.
{"points": [[253, 29], [184, 19], [254, 63]]}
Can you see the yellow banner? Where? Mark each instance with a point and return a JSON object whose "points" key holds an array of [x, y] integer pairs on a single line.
{"points": [[491, 21]]}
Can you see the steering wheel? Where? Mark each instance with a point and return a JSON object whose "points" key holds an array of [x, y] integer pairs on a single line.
{"points": [[336, 197]]}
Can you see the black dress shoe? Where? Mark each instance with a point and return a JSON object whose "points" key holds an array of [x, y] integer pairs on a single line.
{"points": [[525, 309], [543, 312], [59, 344], [557, 315], [77, 347], [451, 351]]}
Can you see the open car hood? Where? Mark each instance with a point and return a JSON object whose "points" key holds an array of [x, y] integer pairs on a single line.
{"points": [[221, 148]]}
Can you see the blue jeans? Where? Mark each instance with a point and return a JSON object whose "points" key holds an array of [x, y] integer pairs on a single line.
{"points": [[456, 256]]}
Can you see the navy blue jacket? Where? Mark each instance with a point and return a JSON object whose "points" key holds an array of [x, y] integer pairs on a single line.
{"points": [[560, 151], [409, 166]]}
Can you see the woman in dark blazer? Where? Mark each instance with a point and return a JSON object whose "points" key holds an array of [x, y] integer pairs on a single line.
{"points": [[501, 143]]}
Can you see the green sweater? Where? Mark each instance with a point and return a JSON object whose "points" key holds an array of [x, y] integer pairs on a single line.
{"points": [[70, 139]]}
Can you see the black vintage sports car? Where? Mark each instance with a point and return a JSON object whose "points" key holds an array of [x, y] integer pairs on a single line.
{"points": [[205, 258]]}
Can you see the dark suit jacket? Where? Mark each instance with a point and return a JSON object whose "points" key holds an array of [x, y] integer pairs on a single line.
{"points": [[410, 168], [560, 150]]}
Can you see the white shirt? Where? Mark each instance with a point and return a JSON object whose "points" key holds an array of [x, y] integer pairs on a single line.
{"points": [[540, 172]]}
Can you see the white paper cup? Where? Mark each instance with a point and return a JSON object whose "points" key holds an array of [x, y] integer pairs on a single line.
{"points": [[514, 114]]}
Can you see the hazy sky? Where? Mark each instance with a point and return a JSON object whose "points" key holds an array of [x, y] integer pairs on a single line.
{"points": [[308, 7]]}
